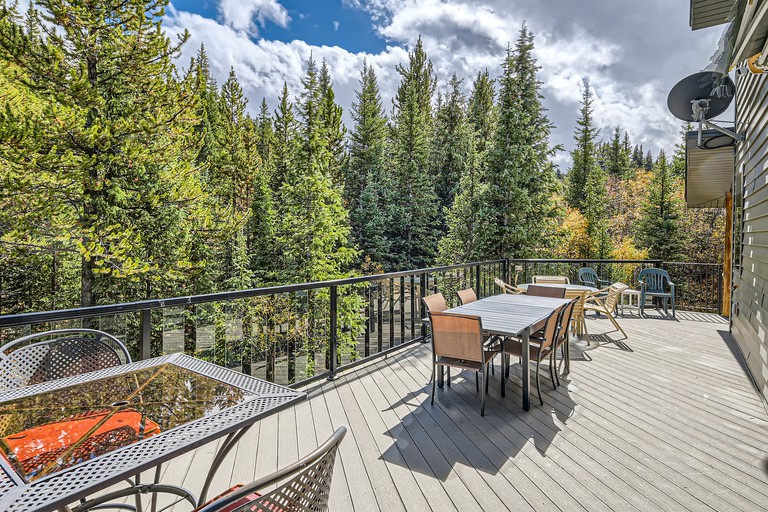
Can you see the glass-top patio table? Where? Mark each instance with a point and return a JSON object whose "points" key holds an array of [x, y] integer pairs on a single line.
{"points": [[515, 316], [63, 440]]}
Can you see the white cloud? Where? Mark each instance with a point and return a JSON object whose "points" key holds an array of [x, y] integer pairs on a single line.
{"points": [[240, 14], [630, 66], [336, 25]]}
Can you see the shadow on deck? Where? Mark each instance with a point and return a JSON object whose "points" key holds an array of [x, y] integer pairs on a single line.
{"points": [[666, 420]]}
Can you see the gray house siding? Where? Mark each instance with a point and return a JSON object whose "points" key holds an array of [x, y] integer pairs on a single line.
{"points": [[750, 296]]}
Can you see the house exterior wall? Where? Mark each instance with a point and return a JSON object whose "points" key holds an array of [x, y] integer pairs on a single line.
{"points": [[749, 310]]}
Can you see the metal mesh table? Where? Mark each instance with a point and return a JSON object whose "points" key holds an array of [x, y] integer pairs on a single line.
{"points": [[120, 422]]}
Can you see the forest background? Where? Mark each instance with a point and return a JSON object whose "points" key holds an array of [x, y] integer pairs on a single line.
{"points": [[126, 174]]}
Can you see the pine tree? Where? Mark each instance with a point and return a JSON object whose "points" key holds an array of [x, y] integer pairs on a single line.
{"points": [[412, 213], [335, 131], [117, 130], [285, 137], [313, 229], [519, 174], [678, 157], [637, 157], [648, 162], [452, 147], [466, 217], [660, 228], [617, 162], [586, 187], [482, 112], [365, 191]]}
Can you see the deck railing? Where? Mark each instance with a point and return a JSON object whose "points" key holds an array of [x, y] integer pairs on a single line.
{"points": [[296, 333]]}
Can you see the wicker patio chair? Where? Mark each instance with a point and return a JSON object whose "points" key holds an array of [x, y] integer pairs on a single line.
{"points": [[551, 280], [507, 288], [539, 351], [607, 305], [57, 354], [555, 292], [458, 341], [304, 485], [466, 296]]}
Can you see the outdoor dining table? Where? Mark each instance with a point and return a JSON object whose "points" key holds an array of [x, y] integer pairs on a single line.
{"points": [[64, 440], [515, 316]]}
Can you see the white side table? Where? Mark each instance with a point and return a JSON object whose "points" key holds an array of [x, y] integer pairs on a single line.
{"points": [[629, 298]]}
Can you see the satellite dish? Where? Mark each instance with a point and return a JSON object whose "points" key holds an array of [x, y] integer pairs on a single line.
{"points": [[701, 96]]}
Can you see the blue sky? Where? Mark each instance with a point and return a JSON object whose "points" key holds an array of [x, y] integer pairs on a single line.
{"points": [[632, 52]]}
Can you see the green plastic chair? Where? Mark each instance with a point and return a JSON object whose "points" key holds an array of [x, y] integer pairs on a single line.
{"points": [[655, 282]]}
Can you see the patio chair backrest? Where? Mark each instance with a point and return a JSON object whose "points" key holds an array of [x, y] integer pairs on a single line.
{"points": [[565, 318], [655, 279], [588, 277], [56, 354], [550, 329], [614, 292], [435, 302], [304, 485], [466, 296], [556, 292], [457, 336], [551, 279]]}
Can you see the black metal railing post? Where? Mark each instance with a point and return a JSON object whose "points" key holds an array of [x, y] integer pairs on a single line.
{"points": [[721, 276], [422, 287], [477, 282], [333, 360], [145, 326]]}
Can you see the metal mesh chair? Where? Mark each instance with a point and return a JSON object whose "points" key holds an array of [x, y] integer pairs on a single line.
{"points": [[57, 354], [306, 485]]}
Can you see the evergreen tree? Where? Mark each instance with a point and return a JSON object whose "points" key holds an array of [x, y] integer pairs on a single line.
{"points": [[452, 145], [678, 157], [648, 162], [412, 212], [617, 161], [627, 150], [115, 133], [660, 228], [335, 131], [482, 112], [466, 218], [584, 155], [313, 229], [365, 187], [637, 157], [520, 178], [586, 187], [285, 137]]}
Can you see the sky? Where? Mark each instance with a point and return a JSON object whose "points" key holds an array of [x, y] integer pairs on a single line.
{"points": [[632, 52]]}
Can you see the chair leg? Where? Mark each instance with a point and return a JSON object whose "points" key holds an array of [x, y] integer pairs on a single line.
{"points": [[477, 386], [485, 384], [434, 382], [485, 376], [448, 375], [552, 370], [673, 306], [664, 303], [538, 381], [554, 360], [616, 324]]}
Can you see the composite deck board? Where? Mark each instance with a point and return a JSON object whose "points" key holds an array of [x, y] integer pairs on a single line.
{"points": [[663, 420]]}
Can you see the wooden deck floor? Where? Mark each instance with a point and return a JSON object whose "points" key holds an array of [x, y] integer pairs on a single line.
{"points": [[664, 420]]}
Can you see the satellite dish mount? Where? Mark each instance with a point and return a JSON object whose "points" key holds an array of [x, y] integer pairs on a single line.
{"points": [[701, 97]]}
